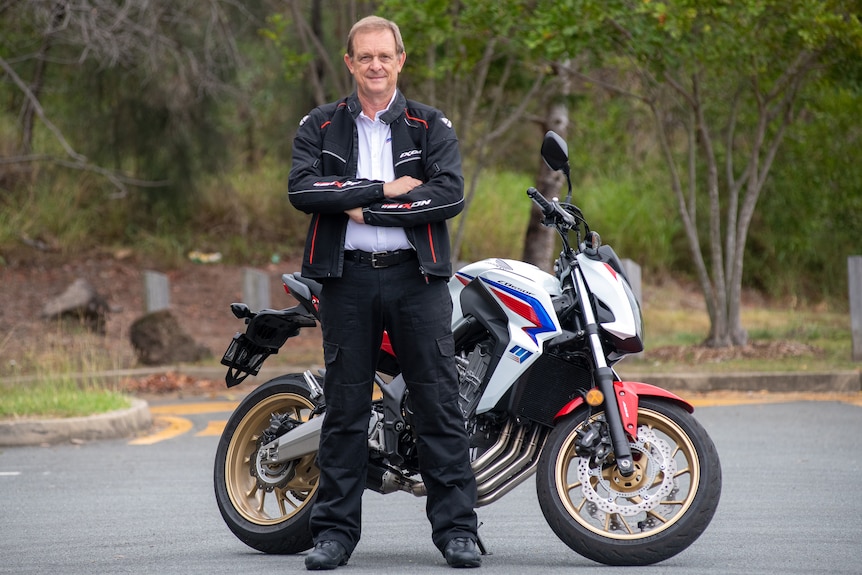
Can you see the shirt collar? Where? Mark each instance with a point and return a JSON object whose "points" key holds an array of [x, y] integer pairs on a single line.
{"points": [[396, 107]]}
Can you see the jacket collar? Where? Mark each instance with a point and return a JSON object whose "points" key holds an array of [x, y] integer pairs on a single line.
{"points": [[399, 104]]}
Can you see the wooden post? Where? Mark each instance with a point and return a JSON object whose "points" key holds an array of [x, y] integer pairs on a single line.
{"points": [[854, 277], [157, 292], [255, 289]]}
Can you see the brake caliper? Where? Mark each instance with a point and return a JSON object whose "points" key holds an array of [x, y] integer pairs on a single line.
{"points": [[593, 441]]}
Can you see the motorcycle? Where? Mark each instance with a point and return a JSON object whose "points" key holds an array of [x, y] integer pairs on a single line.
{"points": [[625, 475]]}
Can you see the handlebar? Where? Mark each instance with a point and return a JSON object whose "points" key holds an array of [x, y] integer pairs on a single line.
{"points": [[552, 211], [539, 199]]}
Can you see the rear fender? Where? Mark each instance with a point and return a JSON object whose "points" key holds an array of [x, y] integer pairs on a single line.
{"points": [[627, 393]]}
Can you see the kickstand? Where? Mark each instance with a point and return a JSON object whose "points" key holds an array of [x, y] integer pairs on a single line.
{"points": [[482, 549]]}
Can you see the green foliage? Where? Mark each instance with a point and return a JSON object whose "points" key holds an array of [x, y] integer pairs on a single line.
{"points": [[246, 215], [278, 32], [620, 183], [59, 396], [464, 57], [142, 132], [634, 215], [310, 42], [811, 213], [498, 216], [64, 210]]}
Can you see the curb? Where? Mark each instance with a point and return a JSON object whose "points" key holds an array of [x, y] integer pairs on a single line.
{"points": [[112, 425]]}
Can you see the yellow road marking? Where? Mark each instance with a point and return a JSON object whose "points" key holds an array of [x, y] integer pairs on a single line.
{"points": [[194, 408], [175, 426], [212, 428], [166, 419], [726, 398]]}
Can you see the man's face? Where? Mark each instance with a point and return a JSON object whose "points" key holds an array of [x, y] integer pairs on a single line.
{"points": [[375, 64]]}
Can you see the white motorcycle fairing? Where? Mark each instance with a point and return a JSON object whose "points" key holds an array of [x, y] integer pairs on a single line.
{"points": [[524, 293], [618, 313]]}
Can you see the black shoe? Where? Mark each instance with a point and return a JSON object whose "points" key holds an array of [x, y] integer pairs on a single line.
{"points": [[326, 555], [462, 552]]}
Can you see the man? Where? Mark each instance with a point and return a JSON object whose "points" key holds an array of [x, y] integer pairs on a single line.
{"points": [[380, 176]]}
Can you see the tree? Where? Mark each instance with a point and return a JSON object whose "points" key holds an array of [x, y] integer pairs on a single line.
{"points": [[722, 82], [540, 240], [178, 53]]}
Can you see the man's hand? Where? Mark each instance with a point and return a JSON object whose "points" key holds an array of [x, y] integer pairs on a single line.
{"points": [[400, 186], [391, 189], [355, 214]]}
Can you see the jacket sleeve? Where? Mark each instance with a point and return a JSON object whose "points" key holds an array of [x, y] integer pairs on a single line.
{"points": [[440, 197], [309, 189]]}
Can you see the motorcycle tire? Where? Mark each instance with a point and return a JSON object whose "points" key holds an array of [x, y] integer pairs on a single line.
{"points": [[266, 507], [642, 519]]}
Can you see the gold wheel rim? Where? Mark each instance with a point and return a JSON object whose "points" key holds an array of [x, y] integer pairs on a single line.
{"points": [[257, 504], [669, 510]]}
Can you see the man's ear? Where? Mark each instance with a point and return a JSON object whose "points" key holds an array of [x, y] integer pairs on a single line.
{"points": [[348, 62]]}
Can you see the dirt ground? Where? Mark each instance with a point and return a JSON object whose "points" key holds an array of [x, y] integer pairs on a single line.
{"points": [[200, 296]]}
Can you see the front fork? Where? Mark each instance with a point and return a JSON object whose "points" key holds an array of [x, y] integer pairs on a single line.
{"points": [[604, 376]]}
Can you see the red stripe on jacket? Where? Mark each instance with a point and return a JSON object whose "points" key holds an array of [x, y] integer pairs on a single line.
{"points": [[313, 238], [431, 243], [420, 120]]}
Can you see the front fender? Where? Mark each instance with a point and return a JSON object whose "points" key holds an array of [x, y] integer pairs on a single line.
{"points": [[627, 394]]}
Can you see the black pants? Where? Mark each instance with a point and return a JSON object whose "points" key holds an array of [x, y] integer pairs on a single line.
{"points": [[355, 309]]}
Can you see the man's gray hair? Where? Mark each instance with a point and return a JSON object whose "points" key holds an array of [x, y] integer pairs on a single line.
{"points": [[375, 23]]}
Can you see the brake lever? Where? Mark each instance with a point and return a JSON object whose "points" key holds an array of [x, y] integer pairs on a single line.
{"points": [[568, 218]]}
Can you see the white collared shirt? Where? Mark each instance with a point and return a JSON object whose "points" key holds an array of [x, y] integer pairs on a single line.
{"points": [[375, 163]]}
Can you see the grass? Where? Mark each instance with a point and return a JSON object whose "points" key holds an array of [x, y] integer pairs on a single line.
{"points": [[59, 379], [59, 396], [781, 338]]}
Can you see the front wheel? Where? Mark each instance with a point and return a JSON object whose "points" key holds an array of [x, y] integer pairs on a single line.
{"points": [[646, 517], [267, 506]]}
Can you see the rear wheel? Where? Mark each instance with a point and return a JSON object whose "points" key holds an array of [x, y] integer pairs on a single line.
{"points": [[266, 506], [642, 519]]}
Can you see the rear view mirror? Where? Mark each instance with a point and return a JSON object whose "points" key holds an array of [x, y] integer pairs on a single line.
{"points": [[555, 152]]}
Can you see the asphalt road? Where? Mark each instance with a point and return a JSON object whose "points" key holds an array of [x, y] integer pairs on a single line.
{"points": [[791, 504]]}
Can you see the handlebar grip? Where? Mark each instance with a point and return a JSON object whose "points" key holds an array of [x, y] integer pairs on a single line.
{"points": [[544, 205]]}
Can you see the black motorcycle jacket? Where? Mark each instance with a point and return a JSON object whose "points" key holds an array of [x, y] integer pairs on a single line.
{"points": [[323, 182]]}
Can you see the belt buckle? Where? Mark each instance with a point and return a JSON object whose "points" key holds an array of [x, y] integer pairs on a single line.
{"points": [[374, 263]]}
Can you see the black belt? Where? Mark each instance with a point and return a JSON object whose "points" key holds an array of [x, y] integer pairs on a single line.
{"points": [[380, 259]]}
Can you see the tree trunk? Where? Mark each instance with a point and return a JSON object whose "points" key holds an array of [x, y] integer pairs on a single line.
{"points": [[539, 241], [28, 111], [723, 287]]}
